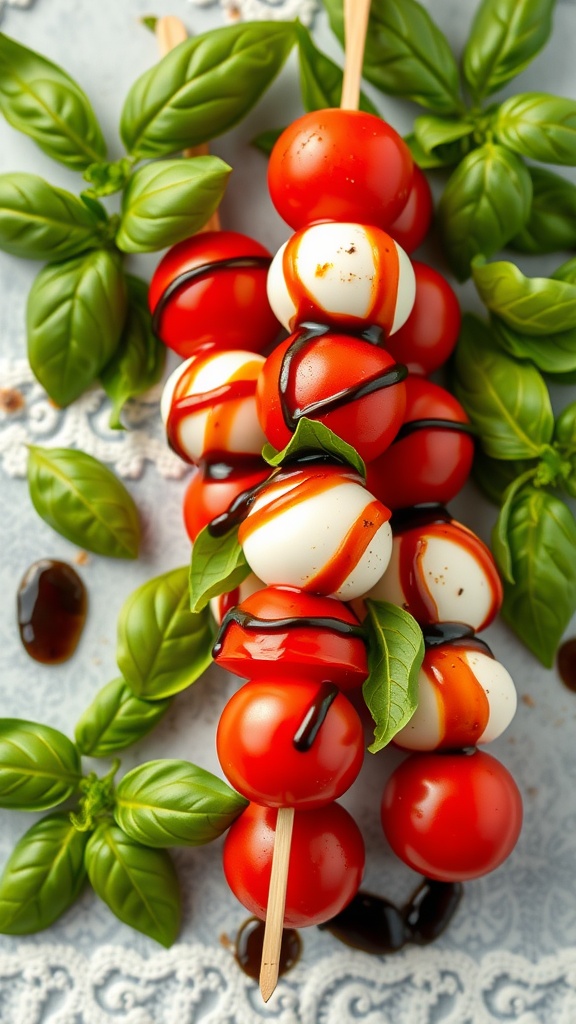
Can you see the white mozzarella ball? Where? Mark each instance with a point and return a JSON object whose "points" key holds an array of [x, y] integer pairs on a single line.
{"points": [[499, 688]]}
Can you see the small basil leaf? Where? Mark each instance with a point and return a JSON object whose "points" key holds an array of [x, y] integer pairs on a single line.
{"points": [[551, 224], [493, 476], [163, 647], [41, 222], [75, 316], [551, 353], [170, 200], [116, 719], [138, 884], [507, 401], [175, 803], [539, 126], [566, 272], [320, 77], [505, 37], [500, 544], [541, 536], [485, 203], [218, 565], [192, 94], [139, 360], [107, 178], [39, 766], [43, 876], [395, 654], [432, 132], [41, 100], [312, 436], [565, 428], [266, 141], [442, 156], [530, 305]]}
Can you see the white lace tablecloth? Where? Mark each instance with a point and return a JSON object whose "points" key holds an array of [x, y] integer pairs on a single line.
{"points": [[510, 953]]}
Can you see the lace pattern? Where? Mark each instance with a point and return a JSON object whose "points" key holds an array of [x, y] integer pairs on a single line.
{"points": [[253, 10]]}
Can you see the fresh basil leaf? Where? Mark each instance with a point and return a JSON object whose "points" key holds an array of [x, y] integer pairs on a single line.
{"points": [[485, 203], [540, 126], [138, 884], [406, 54], [551, 353], [395, 654], [500, 544], [43, 876], [493, 476], [442, 156], [75, 316], [321, 78], [41, 100], [507, 401], [266, 141], [116, 719], [82, 500], [170, 200], [39, 766], [163, 647], [551, 224], [505, 37], [541, 536], [312, 436], [218, 565], [41, 222], [192, 95], [175, 803], [566, 272], [432, 132], [139, 360], [531, 305], [107, 178], [565, 428]]}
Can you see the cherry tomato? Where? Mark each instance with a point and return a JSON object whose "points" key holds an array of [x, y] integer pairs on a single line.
{"points": [[430, 463], [326, 862], [213, 488], [430, 333], [412, 226], [339, 165], [452, 816], [283, 744]]}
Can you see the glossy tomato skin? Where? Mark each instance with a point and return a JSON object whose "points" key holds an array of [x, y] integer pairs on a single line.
{"points": [[256, 749], [429, 336], [453, 816], [412, 226], [326, 862], [339, 165], [221, 308], [430, 464], [208, 495]]}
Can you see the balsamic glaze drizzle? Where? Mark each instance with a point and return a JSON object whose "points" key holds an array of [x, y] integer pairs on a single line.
{"points": [[315, 717], [187, 276], [432, 424], [418, 515], [251, 622]]}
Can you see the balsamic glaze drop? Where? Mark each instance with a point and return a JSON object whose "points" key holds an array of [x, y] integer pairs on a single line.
{"points": [[248, 947], [369, 923], [51, 608], [430, 910], [566, 662]]}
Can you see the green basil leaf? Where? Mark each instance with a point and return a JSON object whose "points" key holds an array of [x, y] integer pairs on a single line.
{"points": [[567, 272], [107, 178], [138, 884], [406, 54], [565, 428], [43, 876], [507, 401], [395, 654], [493, 476], [75, 316], [266, 141], [218, 565], [541, 536], [551, 224], [432, 132], [193, 94], [485, 203], [321, 78], [163, 647], [551, 353], [442, 156], [500, 544], [139, 360], [41, 100], [170, 200], [540, 126], [41, 222], [116, 719], [531, 305], [312, 436], [39, 766], [175, 803], [505, 37]]}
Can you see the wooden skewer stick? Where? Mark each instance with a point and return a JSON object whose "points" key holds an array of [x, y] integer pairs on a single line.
{"points": [[276, 903], [356, 14]]}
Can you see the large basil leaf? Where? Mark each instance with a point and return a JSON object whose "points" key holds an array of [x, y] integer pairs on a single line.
{"points": [[41, 222], [169, 200], [507, 401], [116, 719], [485, 203], [500, 545], [311, 436], [218, 565], [163, 647], [75, 316], [493, 476], [82, 499], [406, 54], [39, 766], [40, 99], [193, 94], [175, 803], [551, 353], [43, 876], [539, 126], [531, 305], [505, 36], [138, 884], [541, 536], [395, 654], [551, 224], [321, 78], [432, 132]]}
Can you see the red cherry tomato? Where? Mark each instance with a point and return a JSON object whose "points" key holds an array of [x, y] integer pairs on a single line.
{"points": [[428, 464], [412, 226], [430, 333], [341, 165], [257, 736], [210, 494], [452, 816], [326, 862], [221, 306]]}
